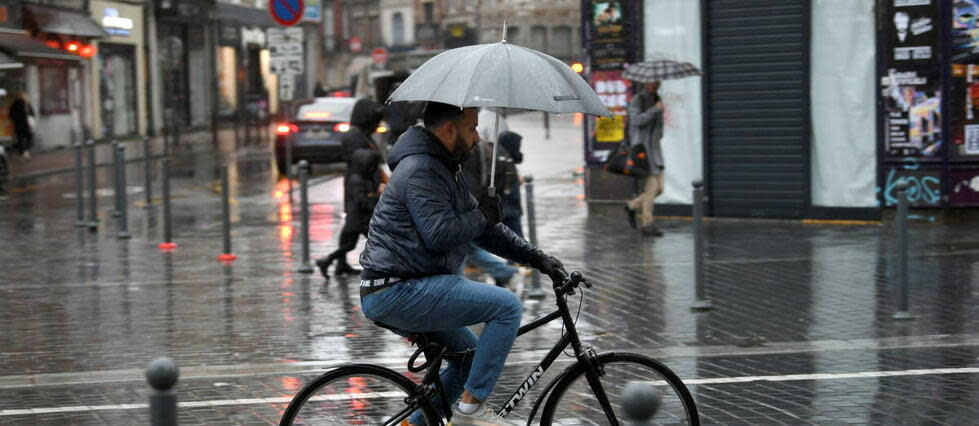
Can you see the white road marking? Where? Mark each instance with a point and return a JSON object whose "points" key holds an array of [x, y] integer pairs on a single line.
{"points": [[710, 381]]}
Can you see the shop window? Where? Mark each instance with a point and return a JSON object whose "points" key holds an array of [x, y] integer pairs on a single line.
{"points": [[117, 89], [54, 89]]}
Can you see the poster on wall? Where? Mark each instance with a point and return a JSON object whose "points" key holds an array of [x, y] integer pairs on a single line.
{"points": [[911, 28], [964, 188], [965, 31], [912, 113], [608, 37], [605, 133]]}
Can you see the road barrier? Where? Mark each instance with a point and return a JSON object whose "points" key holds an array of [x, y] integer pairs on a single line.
{"points": [[702, 303], [93, 202], [121, 203], [305, 267], [162, 375], [535, 290], [903, 297]]}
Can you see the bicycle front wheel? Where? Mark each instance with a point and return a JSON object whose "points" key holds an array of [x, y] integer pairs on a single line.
{"points": [[360, 394], [573, 400]]}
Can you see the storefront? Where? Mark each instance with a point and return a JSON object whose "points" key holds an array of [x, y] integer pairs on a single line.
{"points": [[119, 71], [781, 123], [185, 45], [56, 51], [245, 86]]}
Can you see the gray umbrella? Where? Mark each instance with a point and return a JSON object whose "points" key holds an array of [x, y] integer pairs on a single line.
{"points": [[500, 75]]}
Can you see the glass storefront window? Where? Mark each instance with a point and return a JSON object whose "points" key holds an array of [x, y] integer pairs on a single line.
{"points": [[54, 89], [227, 81], [117, 87]]}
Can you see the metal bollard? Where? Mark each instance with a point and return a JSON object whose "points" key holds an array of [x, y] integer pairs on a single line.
{"points": [[535, 290], [226, 256], [167, 244], [93, 206], [702, 303], [547, 126], [289, 169], [162, 375], [903, 297], [148, 171], [79, 185], [305, 267], [116, 166], [123, 233]]}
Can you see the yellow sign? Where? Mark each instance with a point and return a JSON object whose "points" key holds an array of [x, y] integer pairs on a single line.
{"points": [[610, 129]]}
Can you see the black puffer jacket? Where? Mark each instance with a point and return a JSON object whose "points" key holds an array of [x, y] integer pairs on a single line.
{"points": [[426, 216], [364, 119]]}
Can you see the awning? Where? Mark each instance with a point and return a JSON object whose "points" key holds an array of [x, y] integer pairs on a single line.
{"points": [[8, 63], [59, 21], [244, 15], [23, 46]]}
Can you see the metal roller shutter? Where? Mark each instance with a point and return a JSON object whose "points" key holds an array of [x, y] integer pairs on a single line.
{"points": [[757, 54]]}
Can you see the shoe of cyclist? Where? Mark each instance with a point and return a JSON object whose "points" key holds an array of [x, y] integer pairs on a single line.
{"points": [[483, 416]]}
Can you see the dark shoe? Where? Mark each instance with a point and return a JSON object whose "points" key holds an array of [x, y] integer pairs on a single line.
{"points": [[631, 215], [344, 268], [324, 265], [504, 281], [652, 231]]}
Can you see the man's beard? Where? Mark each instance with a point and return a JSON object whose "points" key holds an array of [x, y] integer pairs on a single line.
{"points": [[460, 153]]}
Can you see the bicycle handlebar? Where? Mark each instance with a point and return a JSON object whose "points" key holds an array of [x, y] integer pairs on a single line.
{"points": [[568, 283]]}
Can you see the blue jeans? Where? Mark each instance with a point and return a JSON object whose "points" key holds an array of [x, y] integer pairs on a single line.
{"points": [[490, 264], [443, 306]]}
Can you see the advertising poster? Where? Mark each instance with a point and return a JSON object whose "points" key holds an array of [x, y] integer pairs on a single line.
{"points": [[912, 113], [605, 133], [608, 35], [965, 31], [911, 29], [965, 187]]}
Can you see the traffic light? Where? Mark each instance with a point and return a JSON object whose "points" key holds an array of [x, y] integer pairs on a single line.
{"points": [[577, 67]]}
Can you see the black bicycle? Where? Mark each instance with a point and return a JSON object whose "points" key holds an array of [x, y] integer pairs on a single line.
{"points": [[590, 391]]}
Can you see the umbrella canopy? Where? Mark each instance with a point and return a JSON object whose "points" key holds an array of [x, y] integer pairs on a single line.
{"points": [[500, 75], [659, 70]]}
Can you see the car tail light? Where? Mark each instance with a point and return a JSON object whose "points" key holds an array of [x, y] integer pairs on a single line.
{"points": [[341, 127], [285, 129], [382, 129]]}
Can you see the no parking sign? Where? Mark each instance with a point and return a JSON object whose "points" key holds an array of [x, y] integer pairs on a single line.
{"points": [[286, 12]]}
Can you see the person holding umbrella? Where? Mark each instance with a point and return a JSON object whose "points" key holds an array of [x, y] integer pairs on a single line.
{"points": [[426, 217], [646, 115], [646, 128]]}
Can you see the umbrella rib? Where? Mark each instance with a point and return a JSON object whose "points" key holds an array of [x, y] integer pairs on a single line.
{"points": [[465, 94]]}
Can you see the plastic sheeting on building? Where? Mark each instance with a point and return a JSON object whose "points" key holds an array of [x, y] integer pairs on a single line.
{"points": [[844, 142], [673, 31]]}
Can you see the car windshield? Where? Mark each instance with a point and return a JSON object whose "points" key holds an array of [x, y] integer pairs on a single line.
{"points": [[326, 110]]}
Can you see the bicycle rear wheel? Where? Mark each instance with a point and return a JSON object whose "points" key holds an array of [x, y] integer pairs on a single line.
{"points": [[360, 394], [574, 402]]}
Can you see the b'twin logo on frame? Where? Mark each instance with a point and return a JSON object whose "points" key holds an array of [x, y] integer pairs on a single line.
{"points": [[524, 388]]}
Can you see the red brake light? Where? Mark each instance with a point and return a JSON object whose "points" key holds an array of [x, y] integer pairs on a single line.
{"points": [[285, 129], [341, 127]]}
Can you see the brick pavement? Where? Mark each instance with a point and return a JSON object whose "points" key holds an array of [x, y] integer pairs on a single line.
{"points": [[84, 313]]}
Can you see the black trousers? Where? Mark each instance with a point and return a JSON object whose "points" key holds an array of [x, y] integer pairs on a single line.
{"points": [[348, 241]]}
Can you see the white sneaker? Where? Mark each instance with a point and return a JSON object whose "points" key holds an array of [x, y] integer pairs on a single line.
{"points": [[483, 416]]}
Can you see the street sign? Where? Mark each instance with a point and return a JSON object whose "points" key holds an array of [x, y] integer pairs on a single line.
{"points": [[355, 44], [286, 12], [286, 50], [380, 56]]}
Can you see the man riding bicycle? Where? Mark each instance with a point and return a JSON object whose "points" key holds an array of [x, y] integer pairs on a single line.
{"points": [[416, 243]]}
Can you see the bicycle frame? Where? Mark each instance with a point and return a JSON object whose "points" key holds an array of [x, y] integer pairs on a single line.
{"points": [[569, 338]]}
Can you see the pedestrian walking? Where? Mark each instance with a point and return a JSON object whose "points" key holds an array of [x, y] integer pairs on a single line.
{"points": [[364, 120], [646, 128], [23, 118], [361, 189], [418, 237], [477, 169], [401, 116]]}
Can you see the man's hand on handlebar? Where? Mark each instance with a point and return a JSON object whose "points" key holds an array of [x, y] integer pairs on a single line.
{"points": [[553, 268]]}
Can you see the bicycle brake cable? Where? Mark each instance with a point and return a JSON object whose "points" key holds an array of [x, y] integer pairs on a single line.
{"points": [[581, 301]]}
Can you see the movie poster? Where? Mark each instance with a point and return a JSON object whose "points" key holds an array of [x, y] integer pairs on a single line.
{"points": [[911, 31], [912, 113], [609, 41], [965, 31]]}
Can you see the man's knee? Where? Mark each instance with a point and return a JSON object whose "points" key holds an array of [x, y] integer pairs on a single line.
{"points": [[512, 306]]}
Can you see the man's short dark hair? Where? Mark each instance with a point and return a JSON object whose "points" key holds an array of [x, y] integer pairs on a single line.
{"points": [[437, 113]]}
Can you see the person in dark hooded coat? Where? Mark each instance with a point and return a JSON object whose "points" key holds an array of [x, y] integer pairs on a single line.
{"points": [[364, 120], [512, 212], [361, 191]]}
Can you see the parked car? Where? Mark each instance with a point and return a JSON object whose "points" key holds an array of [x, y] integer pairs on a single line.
{"points": [[314, 132]]}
